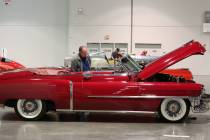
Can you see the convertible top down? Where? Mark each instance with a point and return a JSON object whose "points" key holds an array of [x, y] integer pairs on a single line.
{"points": [[33, 92]]}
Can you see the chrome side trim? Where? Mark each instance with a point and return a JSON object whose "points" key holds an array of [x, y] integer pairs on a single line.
{"points": [[107, 111], [71, 96], [97, 74], [110, 111], [137, 97]]}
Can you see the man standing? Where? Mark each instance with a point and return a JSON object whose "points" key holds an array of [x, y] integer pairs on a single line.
{"points": [[82, 61]]}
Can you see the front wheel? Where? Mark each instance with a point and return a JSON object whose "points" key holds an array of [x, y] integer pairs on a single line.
{"points": [[30, 109], [174, 109]]}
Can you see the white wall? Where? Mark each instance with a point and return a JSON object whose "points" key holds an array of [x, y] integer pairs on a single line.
{"points": [[34, 32], [173, 23], [168, 22], [101, 18]]}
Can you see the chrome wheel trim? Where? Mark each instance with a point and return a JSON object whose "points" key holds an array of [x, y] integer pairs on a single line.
{"points": [[29, 109], [168, 106]]}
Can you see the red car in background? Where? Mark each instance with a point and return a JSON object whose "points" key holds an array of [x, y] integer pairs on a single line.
{"points": [[33, 92], [185, 73], [7, 64]]}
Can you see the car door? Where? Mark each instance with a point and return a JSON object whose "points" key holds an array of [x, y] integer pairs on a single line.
{"points": [[106, 92]]}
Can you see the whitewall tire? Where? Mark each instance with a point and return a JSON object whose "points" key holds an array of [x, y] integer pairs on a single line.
{"points": [[30, 109], [174, 109]]}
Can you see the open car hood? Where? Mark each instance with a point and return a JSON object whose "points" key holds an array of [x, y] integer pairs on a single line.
{"points": [[188, 49]]}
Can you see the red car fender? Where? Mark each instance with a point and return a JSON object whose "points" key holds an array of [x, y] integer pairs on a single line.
{"points": [[56, 91]]}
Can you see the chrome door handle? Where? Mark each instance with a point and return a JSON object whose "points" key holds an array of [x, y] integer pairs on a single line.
{"points": [[87, 76]]}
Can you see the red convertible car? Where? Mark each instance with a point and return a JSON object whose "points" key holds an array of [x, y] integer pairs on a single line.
{"points": [[7, 64], [33, 92]]}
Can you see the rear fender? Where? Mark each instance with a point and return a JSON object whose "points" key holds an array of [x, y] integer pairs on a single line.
{"points": [[56, 91]]}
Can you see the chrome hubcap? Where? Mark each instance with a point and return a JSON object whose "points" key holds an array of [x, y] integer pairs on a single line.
{"points": [[173, 108], [29, 108]]}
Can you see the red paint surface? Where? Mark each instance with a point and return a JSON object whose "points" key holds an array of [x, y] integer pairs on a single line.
{"points": [[28, 85]]}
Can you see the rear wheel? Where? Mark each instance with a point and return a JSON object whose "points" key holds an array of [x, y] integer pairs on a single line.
{"points": [[174, 109], [30, 109]]}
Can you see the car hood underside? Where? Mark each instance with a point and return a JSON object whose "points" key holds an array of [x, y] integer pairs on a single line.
{"points": [[188, 49]]}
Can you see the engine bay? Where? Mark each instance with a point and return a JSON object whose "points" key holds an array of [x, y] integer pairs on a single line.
{"points": [[166, 78]]}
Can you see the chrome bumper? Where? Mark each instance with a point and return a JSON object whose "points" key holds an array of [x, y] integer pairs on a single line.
{"points": [[201, 104], [205, 98]]}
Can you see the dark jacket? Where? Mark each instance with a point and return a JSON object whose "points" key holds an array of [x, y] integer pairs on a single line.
{"points": [[76, 63], [116, 55]]}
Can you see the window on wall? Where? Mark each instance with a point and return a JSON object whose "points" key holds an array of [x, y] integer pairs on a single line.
{"points": [[108, 48], [93, 47], [150, 48], [123, 47]]}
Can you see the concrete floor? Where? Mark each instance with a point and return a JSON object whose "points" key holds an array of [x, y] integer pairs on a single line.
{"points": [[64, 126]]}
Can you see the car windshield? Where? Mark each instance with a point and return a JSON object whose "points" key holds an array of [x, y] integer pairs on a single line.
{"points": [[100, 61], [130, 64]]}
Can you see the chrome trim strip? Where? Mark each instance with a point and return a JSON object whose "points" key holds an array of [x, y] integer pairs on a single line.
{"points": [[71, 96], [114, 74], [121, 74], [137, 97], [111, 111], [98, 74], [107, 111]]}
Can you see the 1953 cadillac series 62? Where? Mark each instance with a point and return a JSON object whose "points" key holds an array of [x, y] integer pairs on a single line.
{"points": [[33, 92]]}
